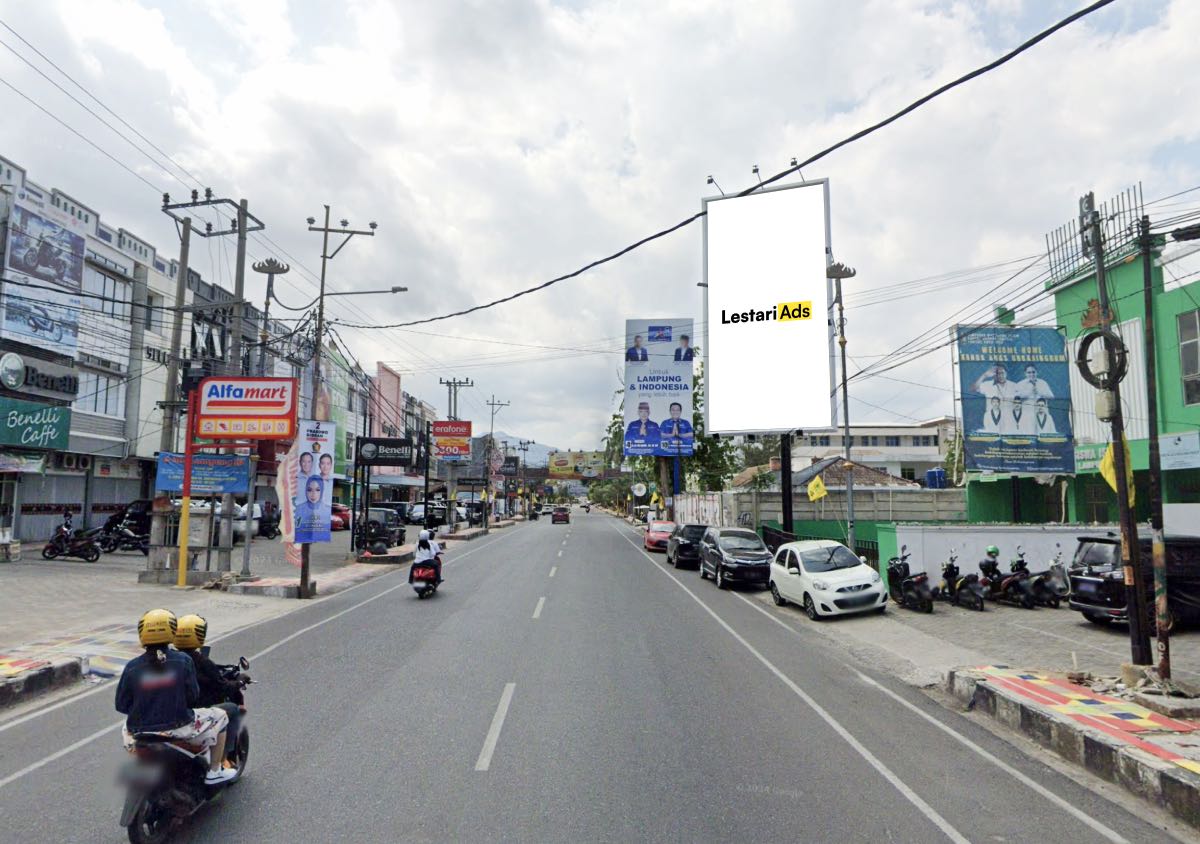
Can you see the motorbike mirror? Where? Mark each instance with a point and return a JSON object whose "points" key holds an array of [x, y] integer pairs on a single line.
{"points": [[244, 663], [903, 548]]}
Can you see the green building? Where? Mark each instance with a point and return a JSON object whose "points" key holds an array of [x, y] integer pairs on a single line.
{"points": [[1087, 498]]}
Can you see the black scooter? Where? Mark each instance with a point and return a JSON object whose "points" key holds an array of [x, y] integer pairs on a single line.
{"points": [[907, 589], [120, 537], [165, 778], [71, 543], [1049, 588], [1013, 588], [959, 589]]}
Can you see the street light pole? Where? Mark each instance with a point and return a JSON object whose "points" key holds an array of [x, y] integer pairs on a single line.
{"points": [[838, 272]]}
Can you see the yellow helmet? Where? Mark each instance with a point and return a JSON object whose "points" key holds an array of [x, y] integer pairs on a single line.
{"points": [[157, 627], [190, 633]]}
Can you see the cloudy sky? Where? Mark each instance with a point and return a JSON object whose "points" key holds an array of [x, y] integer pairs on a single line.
{"points": [[500, 143]]}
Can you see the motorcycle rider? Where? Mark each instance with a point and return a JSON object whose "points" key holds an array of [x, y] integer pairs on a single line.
{"points": [[991, 561], [429, 552], [215, 690], [158, 690]]}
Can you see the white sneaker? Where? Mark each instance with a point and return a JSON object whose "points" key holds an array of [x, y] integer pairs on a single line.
{"points": [[219, 776]]}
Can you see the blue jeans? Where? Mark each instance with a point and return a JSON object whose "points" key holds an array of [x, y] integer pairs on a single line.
{"points": [[235, 723]]}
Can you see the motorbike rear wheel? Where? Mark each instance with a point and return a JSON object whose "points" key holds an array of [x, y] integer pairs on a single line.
{"points": [[92, 553], [151, 825], [49, 552], [1027, 601]]}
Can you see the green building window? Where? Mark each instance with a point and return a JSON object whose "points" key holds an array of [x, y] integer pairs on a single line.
{"points": [[1189, 354]]}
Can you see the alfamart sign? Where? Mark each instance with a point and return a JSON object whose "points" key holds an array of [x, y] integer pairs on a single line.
{"points": [[33, 425], [247, 408]]}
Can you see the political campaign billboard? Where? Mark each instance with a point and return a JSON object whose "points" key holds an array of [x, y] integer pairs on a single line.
{"points": [[1016, 399], [659, 355], [43, 267], [575, 465], [313, 501], [768, 345]]}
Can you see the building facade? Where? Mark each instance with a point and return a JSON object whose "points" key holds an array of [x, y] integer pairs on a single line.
{"points": [[904, 450]]}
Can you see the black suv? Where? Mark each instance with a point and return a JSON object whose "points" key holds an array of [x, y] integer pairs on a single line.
{"points": [[734, 555], [683, 546], [1098, 582]]}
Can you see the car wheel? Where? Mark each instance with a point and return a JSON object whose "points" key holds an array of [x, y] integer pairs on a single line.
{"points": [[700, 568], [720, 578], [779, 600], [810, 609]]}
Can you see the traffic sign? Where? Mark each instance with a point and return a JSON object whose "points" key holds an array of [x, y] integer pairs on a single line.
{"points": [[246, 408]]}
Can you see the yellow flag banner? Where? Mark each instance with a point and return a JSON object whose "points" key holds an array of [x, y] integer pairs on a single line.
{"points": [[816, 489], [1108, 470]]}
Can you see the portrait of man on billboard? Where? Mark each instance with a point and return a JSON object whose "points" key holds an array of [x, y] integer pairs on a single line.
{"points": [[994, 385], [676, 431], [636, 352], [643, 428], [684, 352]]}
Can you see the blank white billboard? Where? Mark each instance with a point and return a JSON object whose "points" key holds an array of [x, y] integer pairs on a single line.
{"points": [[769, 349]]}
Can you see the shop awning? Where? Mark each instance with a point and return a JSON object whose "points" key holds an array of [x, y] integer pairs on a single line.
{"points": [[11, 461]]}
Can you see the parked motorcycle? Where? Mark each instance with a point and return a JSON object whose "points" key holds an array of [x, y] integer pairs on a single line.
{"points": [[40, 322], [907, 589], [1014, 588], [165, 778], [1050, 587], [268, 525], [121, 537], [424, 580], [959, 589], [71, 543]]}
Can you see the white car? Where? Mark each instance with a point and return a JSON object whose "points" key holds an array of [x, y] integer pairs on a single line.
{"points": [[825, 578]]}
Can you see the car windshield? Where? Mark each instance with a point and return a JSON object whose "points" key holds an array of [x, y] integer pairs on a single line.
{"points": [[693, 532], [662, 527], [829, 558], [1099, 555], [741, 542]]}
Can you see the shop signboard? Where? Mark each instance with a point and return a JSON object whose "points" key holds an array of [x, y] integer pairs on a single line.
{"points": [[246, 408], [576, 465], [32, 376], [658, 388], [452, 440], [511, 467], [33, 425], [1180, 451], [43, 265], [385, 451], [1016, 399], [212, 474]]}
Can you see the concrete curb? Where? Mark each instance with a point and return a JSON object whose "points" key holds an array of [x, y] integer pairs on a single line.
{"points": [[398, 558], [466, 536], [60, 672], [272, 590], [1164, 783]]}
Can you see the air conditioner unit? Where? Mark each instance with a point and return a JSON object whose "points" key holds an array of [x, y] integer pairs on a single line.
{"points": [[84, 462], [67, 461]]}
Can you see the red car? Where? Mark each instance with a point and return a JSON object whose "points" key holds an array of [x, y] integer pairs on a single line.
{"points": [[657, 534], [560, 514], [341, 517]]}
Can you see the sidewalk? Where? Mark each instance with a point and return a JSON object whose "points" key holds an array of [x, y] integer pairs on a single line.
{"points": [[54, 613]]}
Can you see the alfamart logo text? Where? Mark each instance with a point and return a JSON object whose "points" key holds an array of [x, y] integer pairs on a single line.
{"points": [[783, 312]]}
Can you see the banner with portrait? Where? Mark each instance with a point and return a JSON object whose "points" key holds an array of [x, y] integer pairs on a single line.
{"points": [[658, 387], [313, 497], [1016, 399]]}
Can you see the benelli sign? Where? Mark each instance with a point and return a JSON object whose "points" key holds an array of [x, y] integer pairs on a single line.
{"points": [[247, 408]]}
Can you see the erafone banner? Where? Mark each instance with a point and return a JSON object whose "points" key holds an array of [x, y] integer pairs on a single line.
{"points": [[659, 355], [314, 480], [452, 440], [1016, 399], [768, 346], [43, 262]]}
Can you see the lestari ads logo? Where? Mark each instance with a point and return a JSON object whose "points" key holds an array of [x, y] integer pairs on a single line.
{"points": [[783, 312]]}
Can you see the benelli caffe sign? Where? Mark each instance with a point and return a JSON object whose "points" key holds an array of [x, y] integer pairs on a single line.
{"points": [[34, 425], [247, 408]]}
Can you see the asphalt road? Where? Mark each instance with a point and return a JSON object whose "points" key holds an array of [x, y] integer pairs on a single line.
{"points": [[564, 686]]}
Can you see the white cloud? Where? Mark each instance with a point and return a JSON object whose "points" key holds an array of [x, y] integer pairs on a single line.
{"points": [[499, 144]]}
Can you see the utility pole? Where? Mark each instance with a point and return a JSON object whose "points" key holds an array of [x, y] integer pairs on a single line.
{"points": [[452, 388], [234, 367], [524, 445], [1108, 381], [1158, 548], [496, 407], [785, 482], [838, 272], [270, 268], [320, 410]]}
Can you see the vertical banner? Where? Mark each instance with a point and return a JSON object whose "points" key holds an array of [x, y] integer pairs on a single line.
{"points": [[658, 387], [286, 488], [1016, 399], [313, 497], [43, 260]]}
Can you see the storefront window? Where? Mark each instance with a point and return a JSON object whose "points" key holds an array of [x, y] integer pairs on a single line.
{"points": [[1189, 355], [111, 296]]}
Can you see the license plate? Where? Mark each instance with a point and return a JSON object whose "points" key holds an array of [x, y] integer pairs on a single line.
{"points": [[1091, 587]]}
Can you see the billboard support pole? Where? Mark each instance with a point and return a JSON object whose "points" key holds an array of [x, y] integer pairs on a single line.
{"points": [[785, 482], [251, 491], [1092, 233], [1158, 548], [838, 272], [428, 454], [186, 490]]}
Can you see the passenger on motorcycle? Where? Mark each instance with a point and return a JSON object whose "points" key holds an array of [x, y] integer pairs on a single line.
{"points": [[428, 552], [158, 690], [992, 558], [215, 690]]}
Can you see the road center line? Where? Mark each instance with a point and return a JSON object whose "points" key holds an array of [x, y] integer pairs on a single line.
{"points": [[1108, 833], [537, 611], [560, 552], [493, 735], [553, 569], [928, 811]]}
